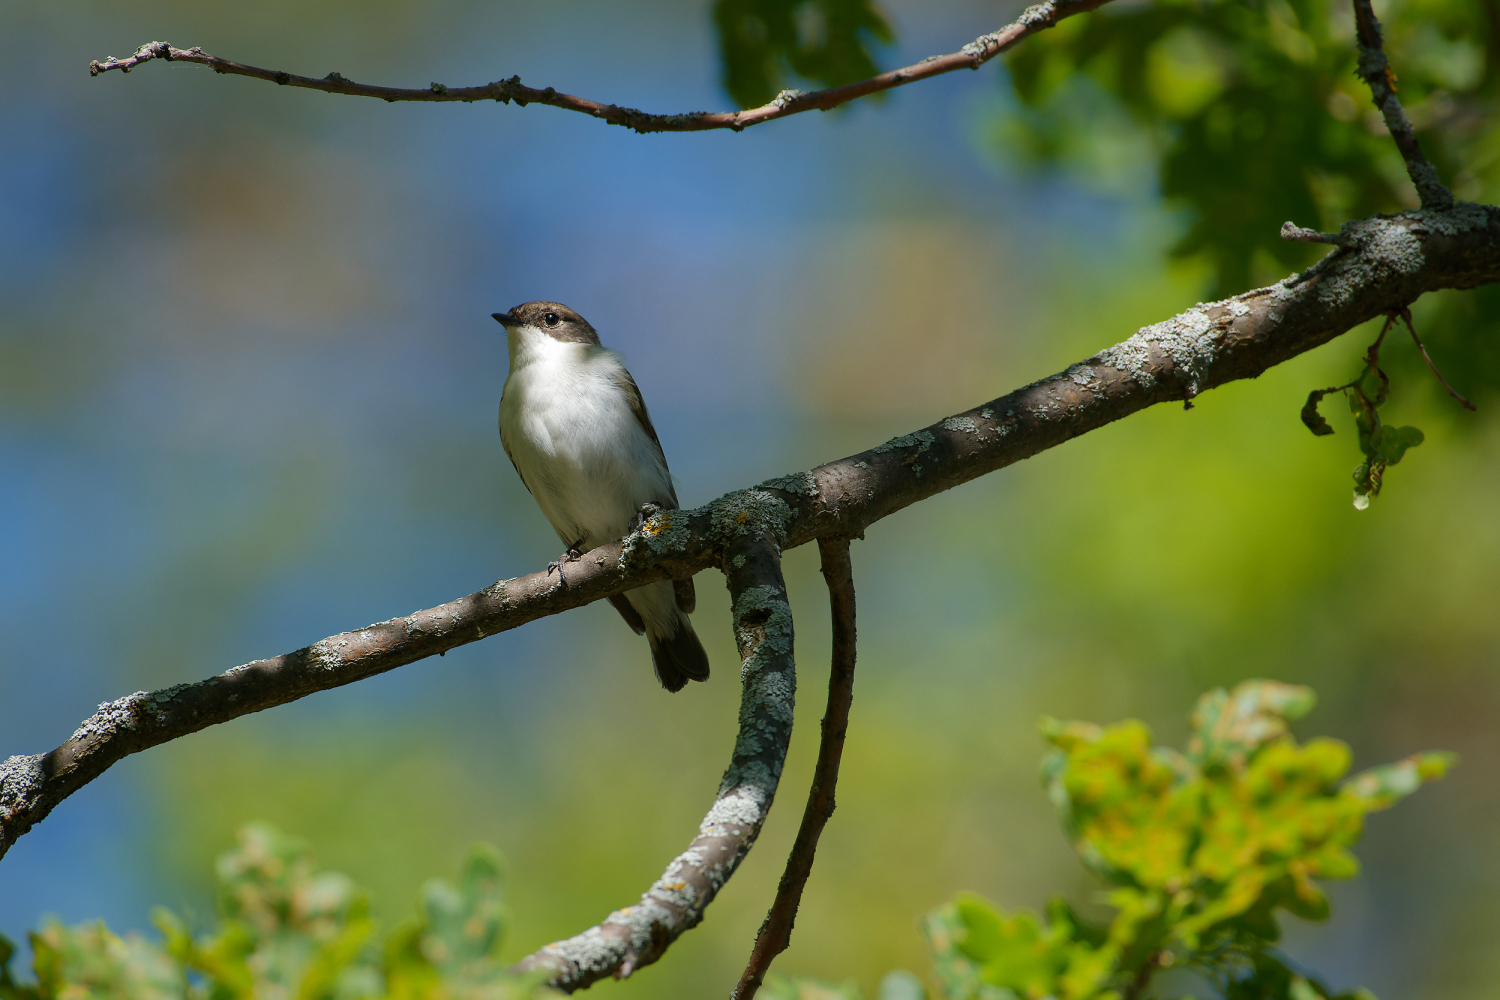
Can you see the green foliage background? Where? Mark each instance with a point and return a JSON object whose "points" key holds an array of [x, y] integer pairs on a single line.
{"points": [[279, 407], [1250, 111], [824, 42]]}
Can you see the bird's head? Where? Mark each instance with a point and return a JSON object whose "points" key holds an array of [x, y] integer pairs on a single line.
{"points": [[548, 319]]}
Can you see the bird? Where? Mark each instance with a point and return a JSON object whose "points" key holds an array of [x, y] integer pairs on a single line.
{"points": [[574, 425]]}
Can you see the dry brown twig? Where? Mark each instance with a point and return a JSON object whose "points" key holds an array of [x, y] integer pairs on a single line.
{"points": [[1406, 316], [789, 102]]}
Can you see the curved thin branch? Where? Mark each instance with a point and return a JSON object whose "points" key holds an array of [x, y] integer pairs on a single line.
{"points": [[1464, 402], [1376, 72], [1388, 264], [776, 932], [638, 935], [789, 102]]}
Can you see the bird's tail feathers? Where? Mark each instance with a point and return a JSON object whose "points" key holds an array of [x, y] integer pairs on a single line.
{"points": [[678, 658]]}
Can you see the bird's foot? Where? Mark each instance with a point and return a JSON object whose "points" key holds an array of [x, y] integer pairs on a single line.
{"points": [[646, 513], [572, 555]]}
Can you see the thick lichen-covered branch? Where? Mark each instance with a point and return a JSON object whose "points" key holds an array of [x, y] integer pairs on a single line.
{"points": [[674, 544], [1380, 265], [511, 91], [638, 935]]}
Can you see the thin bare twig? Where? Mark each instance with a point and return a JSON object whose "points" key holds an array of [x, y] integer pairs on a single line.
{"points": [[1372, 353], [776, 931], [1292, 231], [1155, 960], [789, 102], [1376, 71], [1406, 315]]}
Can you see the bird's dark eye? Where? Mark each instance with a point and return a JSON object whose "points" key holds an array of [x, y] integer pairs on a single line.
{"points": [[550, 319]]}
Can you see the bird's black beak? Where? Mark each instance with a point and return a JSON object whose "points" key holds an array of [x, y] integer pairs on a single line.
{"points": [[506, 320]]}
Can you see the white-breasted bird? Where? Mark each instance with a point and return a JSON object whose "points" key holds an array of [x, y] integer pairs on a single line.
{"points": [[575, 427]]}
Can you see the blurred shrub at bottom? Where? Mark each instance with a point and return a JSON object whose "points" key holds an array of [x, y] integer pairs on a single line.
{"points": [[1201, 849], [289, 930]]}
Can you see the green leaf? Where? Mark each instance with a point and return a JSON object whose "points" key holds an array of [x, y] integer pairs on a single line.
{"points": [[1250, 115], [1374, 384], [1228, 725], [1382, 787], [1394, 441], [983, 932], [981, 947]]}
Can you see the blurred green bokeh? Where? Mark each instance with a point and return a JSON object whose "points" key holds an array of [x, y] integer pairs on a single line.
{"points": [[247, 399]]}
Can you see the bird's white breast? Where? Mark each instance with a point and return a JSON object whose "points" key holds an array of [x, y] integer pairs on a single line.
{"points": [[568, 425]]}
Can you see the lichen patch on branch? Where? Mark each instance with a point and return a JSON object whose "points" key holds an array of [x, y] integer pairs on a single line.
{"points": [[21, 781], [801, 483], [750, 512], [961, 423], [1186, 343]]}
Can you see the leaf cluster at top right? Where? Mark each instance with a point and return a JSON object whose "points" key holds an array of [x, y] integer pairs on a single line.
{"points": [[1252, 113]]}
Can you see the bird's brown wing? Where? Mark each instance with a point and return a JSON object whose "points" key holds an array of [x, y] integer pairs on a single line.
{"points": [[638, 407], [682, 590]]}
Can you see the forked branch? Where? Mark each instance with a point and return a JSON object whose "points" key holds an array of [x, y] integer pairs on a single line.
{"points": [[638, 935], [776, 932], [789, 102], [1376, 71]]}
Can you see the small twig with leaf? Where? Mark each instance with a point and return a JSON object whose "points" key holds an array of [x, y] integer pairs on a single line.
{"points": [[1383, 446]]}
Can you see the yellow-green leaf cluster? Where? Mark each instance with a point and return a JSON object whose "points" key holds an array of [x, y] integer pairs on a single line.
{"points": [[1201, 848], [290, 932]]}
